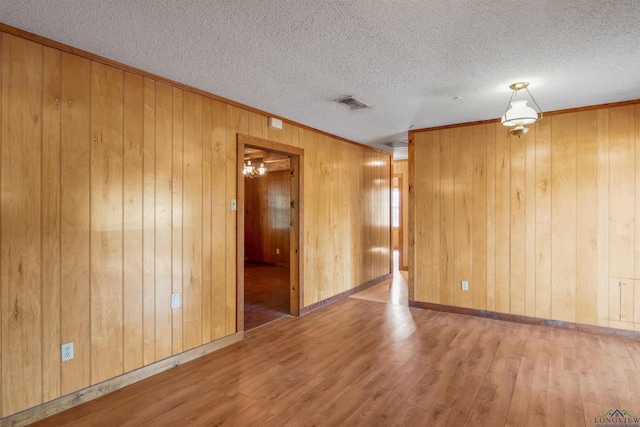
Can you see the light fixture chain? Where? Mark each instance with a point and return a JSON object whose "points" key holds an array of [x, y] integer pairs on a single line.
{"points": [[534, 101]]}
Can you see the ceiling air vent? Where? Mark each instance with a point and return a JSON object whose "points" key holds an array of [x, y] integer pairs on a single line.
{"points": [[352, 102], [403, 143]]}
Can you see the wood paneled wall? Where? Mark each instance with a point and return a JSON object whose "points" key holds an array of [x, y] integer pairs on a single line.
{"points": [[266, 218], [115, 190], [547, 225], [347, 216]]}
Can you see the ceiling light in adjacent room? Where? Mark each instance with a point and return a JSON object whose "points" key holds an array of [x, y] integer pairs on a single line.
{"points": [[250, 171]]}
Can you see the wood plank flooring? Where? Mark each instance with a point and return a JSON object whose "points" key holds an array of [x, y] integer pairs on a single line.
{"points": [[266, 294], [359, 362]]}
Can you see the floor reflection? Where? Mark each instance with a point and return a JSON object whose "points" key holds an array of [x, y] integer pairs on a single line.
{"points": [[392, 291]]}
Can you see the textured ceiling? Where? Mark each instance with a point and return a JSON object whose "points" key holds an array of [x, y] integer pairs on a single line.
{"points": [[417, 63]]}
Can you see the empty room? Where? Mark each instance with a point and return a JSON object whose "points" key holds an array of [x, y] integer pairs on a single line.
{"points": [[294, 213]]}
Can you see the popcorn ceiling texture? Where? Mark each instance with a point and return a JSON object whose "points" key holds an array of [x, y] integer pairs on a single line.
{"points": [[418, 63]]}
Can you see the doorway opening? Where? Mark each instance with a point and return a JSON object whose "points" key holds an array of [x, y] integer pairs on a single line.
{"points": [[396, 221], [269, 240]]}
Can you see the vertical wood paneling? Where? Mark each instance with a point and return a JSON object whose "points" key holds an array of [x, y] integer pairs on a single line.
{"points": [[637, 222], [51, 121], [554, 218], [207, 220], [529, 221], [20, 213], [480, 222], [106, 222], [257, 125], [463, 215], [115, 193], [543, 220], [192, 226], [423, 227], [177, 191], [563, 217], [587, 217], [2, 62], [75, 315], [603, 217], [491, 217], [267, 218], [149, 223], [133, 222], [503, 220], [621, 215], [296, 192], [447, 189], [621, 192], [163, 208], [517, 227], [437, 216], [237, 122], [219, 218]]}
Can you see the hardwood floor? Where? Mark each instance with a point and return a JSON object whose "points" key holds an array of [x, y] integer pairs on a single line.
{"points": [[266, 294], [359, 362]]}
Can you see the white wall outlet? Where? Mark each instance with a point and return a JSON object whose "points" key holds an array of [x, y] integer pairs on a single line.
{"points": [[234, 205], [277, 251], [67, 351], [465, 285], [175, 300]]}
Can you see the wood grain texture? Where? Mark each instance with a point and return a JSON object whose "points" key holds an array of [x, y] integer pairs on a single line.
{"points": [[478, 372], [133, 211], [219, 217], [21, 214], [560, 216], [177, 218], [267, 211], [587, 217], [149, 223], [51, 255], [124, 187], [163, 224], [75, 217], [237, 122], [480, 221], [463, 216], [543, 220], [207, 220], [192, 291], [563, 217], [106, 223]]}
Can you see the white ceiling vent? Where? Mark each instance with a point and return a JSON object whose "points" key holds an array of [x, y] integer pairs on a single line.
{"points": [[403, 143], [352, 102]]}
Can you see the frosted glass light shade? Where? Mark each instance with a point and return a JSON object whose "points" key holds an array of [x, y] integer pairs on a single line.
{"points": [[519, 114]]}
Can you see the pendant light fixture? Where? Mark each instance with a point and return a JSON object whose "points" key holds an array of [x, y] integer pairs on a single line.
{"points": [[519, 114], [250, 171]]}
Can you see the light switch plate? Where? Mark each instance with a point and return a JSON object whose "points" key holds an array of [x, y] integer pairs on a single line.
{"points": [[175, 300], [234, 205]]}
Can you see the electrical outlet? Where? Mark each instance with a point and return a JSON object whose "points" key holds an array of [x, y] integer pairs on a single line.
{"points": [[175, 300], [465, 285], [277, 251], [67, 351]]}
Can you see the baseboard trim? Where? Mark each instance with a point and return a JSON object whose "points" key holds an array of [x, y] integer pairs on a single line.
{"points": [[516, 318], [345, 294], [69, 401]]}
